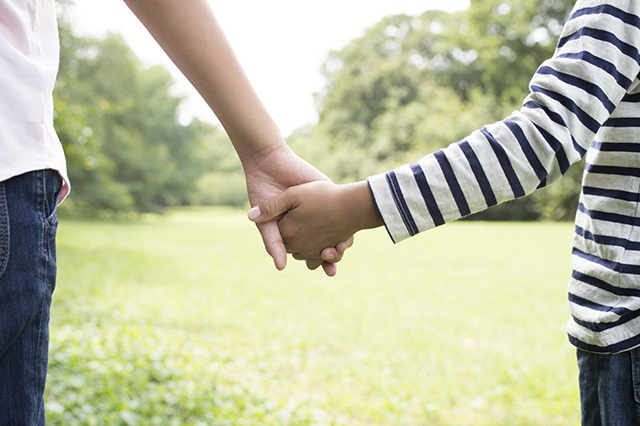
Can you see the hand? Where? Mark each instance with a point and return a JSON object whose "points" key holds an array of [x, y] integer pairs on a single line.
{"points": [[269, 176], [319, 215], [195, 42]]}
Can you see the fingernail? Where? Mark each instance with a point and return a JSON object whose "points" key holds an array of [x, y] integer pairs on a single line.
{"points": [[254, 213], [329, 257]]}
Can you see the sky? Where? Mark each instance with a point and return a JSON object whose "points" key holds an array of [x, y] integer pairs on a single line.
{"points": [[281, 44]]}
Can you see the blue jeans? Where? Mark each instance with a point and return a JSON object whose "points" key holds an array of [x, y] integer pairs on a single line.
{"points": [[610, 388], [28, 227]]}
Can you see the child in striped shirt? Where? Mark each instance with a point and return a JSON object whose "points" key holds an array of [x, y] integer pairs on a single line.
{"points": [[585, 100]]}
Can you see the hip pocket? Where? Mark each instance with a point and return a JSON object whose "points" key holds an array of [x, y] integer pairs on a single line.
{"points": [[4, 230], [52, 185]]}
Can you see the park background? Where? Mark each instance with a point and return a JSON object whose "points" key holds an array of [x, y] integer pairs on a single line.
{"points": [[168, 310]]}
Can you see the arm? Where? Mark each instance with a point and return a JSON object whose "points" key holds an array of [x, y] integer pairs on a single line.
{"points": [[319, 215], [572, 95], [189, 33]]}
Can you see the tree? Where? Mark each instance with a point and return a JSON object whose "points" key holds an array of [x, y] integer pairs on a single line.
{"points": [[388, 96], [412, 85], [118, 121], [510, 38]]}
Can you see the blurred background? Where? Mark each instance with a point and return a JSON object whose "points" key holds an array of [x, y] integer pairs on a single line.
{"points": [[181, 318], [357, 88]]}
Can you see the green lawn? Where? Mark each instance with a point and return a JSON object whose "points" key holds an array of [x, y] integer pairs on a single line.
{"points": [[183, 320]]}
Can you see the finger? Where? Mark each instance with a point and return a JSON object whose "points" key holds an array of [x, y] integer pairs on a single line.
{"points": [[334, 254], [331, 269], [344, 245], [271, 208], [330, 254], [299, 256], [273, 243], [313, 264]]}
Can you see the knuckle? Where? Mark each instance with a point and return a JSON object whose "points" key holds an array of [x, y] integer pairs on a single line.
{"points": [[267, 207]]}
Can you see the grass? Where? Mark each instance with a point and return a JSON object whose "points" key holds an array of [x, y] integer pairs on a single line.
{"points": [[183, 320]]}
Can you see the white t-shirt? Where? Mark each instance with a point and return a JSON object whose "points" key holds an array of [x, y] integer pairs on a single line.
{"points": [[29, 59]]}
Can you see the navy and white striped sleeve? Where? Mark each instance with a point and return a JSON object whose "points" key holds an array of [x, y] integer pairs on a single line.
{"points": [[571, 96]]}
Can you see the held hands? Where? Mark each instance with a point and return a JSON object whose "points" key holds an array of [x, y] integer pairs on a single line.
{"points": [[317, 215], [267, 175]]}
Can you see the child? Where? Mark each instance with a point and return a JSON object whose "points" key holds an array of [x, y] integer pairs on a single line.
{"points": [[585, 100]]}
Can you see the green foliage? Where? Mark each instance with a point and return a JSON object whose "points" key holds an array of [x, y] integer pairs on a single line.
{"points": [[510, 38], [118, 122], [407, 87], [221, 189], [412, 85], [183, 320], [113, 367], [223, 181], [380, 103]]}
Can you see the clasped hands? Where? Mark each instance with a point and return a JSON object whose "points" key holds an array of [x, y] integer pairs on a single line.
{"points": [[317, 221], [311, 222], [294, 204]]}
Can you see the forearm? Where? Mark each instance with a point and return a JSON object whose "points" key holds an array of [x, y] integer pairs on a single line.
{"points": [[572, 96], [190, 35]]}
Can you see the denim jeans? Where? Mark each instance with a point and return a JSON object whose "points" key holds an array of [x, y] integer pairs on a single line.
{"points": [[610, 388], [28, 227]]}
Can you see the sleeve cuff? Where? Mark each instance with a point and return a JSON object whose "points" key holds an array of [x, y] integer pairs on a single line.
{"points": [[385, 202]]}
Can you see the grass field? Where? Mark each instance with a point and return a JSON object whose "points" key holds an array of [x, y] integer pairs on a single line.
{"points": [[182, 320]]}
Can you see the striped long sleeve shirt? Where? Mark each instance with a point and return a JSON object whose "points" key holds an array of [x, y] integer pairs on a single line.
{"points": [[585, 100]]}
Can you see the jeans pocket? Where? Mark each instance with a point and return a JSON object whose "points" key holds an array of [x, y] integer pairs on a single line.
{"points": [[4, 230], [51, 218], [635, 371], [52, 185]]}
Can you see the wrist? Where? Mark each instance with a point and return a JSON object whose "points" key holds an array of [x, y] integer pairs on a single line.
{"points": [[362, 206], [255, 157]]}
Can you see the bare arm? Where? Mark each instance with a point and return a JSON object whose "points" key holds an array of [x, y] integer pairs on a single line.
{"points": [[189, 33]]}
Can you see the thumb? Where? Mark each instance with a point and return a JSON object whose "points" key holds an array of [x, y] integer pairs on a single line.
{"points": [[271, 208], [273, 243]]}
